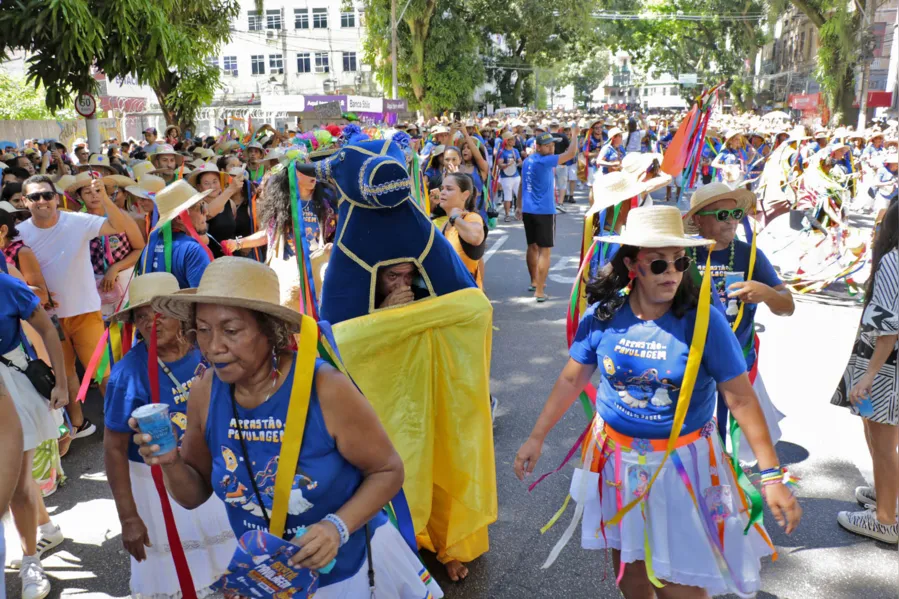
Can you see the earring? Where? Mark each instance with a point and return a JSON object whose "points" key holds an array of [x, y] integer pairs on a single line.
{"points": [[631, 275], [275, 372]]}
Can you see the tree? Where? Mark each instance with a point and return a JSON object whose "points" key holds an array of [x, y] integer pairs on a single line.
{"points": [[439, 67], [164, 44], [586, 75], [838, 50], [20, 101]]}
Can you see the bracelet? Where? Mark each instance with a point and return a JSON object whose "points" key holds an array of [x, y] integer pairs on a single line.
{"points": [[239, 242], [341, 527]]}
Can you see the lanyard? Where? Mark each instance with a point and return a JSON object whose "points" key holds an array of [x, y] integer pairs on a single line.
{"points": [[168, 373]]}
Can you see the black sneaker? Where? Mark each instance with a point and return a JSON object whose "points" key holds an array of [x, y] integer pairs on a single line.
{"points": [[570, 200], [86, 429]]}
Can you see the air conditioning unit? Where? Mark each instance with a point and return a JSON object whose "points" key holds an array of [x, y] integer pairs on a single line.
{"points": [[271, 34]]}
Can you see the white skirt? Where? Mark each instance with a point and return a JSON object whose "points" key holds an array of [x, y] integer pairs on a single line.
{"points": [[399, 574], [682, 551], [205, 534], [773, 416], [38, 423]]}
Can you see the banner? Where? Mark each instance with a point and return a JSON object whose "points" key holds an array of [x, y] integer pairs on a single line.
{"points": [[395, 106], [364, 104], [310, 102]]}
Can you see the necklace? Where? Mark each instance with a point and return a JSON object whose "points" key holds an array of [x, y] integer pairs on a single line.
{"points": [[730, 260]]}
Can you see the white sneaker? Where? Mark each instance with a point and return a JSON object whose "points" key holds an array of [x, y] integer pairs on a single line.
{"points": [[34, 582], [44, 544], [865, 523], [866, 496]]}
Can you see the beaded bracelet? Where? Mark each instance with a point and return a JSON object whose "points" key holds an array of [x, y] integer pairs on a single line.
{"points": [[341, 527], [777, 476]]}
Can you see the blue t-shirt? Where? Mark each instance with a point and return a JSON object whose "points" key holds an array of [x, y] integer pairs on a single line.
{"points": [[763, 273], [508, 154], [610, 153], [17, 302], [642, 365], [885, 176], [324, 479], [538, 184], [189, 259], [129, 388]]}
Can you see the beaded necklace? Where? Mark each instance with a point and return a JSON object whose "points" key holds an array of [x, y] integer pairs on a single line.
{"points": [[730, 261]]}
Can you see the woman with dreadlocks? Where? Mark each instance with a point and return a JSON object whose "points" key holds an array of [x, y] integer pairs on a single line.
{"points": [[317, 214]]}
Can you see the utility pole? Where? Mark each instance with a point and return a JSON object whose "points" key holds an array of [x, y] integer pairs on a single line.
{"points": [[393, 53], [866, 64], [893, 71]]}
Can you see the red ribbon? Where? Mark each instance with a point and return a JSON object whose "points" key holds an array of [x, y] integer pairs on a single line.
{"points": [[185, 580], [571, 452], [185, 220]]}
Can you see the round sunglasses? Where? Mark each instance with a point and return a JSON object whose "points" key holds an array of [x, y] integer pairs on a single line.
{"points": [[723, 215], [659, 266]]}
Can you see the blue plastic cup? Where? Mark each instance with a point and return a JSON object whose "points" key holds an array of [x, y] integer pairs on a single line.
{"points": [[865, 408], [730, 278], [153, 419], [330, 565]]}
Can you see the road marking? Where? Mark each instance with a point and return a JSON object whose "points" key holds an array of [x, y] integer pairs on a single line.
{"points": [[571, 263], [495, 247]]}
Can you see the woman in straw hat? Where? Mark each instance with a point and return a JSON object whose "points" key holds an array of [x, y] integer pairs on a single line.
{"points": [[715, 213], [347, 468], [642, 340], [113, 256], [142, 201], [220, 204], [205, 532]]}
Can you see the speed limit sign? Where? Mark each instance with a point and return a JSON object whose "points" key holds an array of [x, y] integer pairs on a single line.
{"points": [[86, 105]]}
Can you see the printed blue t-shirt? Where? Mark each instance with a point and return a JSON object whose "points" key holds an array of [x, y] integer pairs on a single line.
{"points": [[763, 273], [538, 184], [129, 388], [508, 154], [17, 302], [189, 259], [610, 153], [642, 364]]}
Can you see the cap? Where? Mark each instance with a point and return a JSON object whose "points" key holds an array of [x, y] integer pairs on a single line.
{"points": [[546, 138], [151, 130]]}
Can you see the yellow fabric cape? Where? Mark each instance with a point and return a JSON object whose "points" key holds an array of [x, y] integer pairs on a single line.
{"points": [[425, 367]]}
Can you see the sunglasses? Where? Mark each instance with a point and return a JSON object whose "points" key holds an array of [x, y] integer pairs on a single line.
{"points": [[723, 215], [659, 266], [41, 195]]}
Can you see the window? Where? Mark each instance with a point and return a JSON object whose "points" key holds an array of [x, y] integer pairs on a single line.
{"points": [[230, 65], [212, 61], [303, 64], [322, 63], [347, 20], [276, 64], [301, 18], [273, 19], [319, 18], [254, 20], [257, 62], [349, 62]]}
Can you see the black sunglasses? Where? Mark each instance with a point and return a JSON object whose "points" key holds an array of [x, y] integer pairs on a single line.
{"points": [[659, 266], [41, 195]]}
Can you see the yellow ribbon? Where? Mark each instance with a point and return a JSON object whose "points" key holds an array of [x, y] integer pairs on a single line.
{"points": [[289, 457], [558, 515], [694, 359], [752, 252]]}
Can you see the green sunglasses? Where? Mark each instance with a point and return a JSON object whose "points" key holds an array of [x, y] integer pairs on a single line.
{"points": [[722, 215]]}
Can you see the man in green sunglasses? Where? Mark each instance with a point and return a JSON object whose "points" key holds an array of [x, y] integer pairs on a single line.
{"points": [[715, 212]]}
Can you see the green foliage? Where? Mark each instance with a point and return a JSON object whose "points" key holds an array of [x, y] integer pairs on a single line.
{"points": [[163, 43], [21, 101], [586, 75]]}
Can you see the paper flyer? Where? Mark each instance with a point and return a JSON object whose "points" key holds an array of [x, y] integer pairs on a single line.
{"points": [[259, 569]]}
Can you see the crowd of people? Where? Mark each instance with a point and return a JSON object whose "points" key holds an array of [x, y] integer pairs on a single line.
{"points": [[198, 267]]}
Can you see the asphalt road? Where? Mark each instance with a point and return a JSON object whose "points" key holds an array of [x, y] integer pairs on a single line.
{"points": [[802, 357]]}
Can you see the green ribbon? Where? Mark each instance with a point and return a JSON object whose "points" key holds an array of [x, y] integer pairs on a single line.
{"points": [[167, 245], [295, 218]]}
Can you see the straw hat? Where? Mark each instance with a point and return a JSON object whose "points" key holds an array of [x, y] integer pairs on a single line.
{"points": [[142, 168], [167, 150], [205, 167], [7, 207], [797, 134], [891, 158], [142, 291], [148, 187], [820, 132], [654, 227], [175, 199], [637, 163], [508, 135], [711, 193], [97, 161], [236, 282], [118, 181], [612, 189], [82, 179], [439, 129], [730, 134], [205, 153], [63, 183], [872, 133], [615, 131]]}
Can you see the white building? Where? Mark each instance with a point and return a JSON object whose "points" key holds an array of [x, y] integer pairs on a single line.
{"points": [[295, 47]]}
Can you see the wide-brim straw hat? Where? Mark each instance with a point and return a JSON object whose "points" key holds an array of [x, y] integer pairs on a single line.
{"points": [[141, 168], [202, 169], [730, 134], [875, 133], [119, 181], [203, 153], [167, 150], [612, 189], [82, 179], [148, 187], [175, 199], [714, 192], [637, 163], [142, 291], [891, 158], [63, 183], [235, 282], [655, 227], [797, 134], [615, 131]]}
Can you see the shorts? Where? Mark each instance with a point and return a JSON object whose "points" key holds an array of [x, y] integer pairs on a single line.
{"points": [[510, 187], [561, 175], [572, 172], [83, 333], [540, 229]]}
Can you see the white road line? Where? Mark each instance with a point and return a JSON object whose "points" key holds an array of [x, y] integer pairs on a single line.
{"points": [[570, 263], [495, 247]]}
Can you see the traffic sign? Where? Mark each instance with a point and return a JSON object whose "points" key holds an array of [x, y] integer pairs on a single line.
{"points": [[86, 105]]}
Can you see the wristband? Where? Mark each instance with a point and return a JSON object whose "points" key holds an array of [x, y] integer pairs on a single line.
{"points": [[341, 527]]}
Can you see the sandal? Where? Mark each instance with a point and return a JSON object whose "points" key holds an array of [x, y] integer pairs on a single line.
{"points": [[532, 288], [541, 299]]}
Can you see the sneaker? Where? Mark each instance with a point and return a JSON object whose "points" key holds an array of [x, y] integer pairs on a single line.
{"points": [[571, 200], [507, 219], [493, 404], [86, 429], [45, 543], [560, 209], [866, 496], [34, 582], [865, 523]]}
